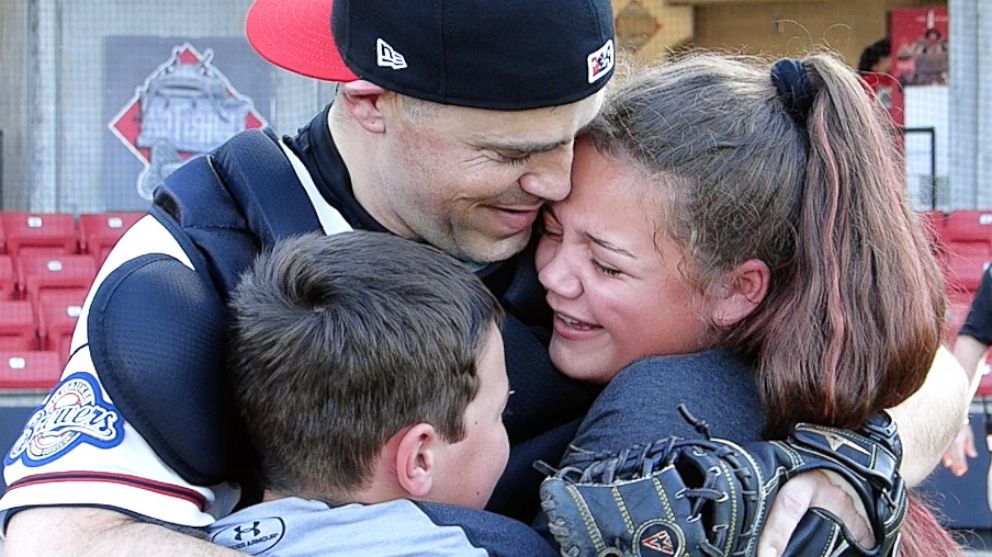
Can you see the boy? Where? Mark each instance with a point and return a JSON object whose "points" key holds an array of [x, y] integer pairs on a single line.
{"points": [[369, 372]]}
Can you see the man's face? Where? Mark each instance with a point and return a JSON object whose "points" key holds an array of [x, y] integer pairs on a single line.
{"points": [[468, 469], [471, 181]]}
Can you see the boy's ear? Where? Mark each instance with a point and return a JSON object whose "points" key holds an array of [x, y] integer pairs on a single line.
{"points": [[741, 291], [416, 455], [363, 101]]}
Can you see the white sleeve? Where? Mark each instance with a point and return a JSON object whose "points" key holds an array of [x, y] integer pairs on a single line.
{"points": [[77, 448]]}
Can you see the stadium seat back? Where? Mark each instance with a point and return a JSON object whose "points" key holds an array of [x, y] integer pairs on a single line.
{"points": [[18, 328], [968, 226], [58, 311], [29, 369], [52, 233], [42, 272], [100, 231]]}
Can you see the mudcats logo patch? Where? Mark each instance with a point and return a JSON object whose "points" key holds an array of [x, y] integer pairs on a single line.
{"points": [[74, 413]]}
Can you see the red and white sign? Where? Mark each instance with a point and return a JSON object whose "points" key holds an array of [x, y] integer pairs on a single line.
{"points": [[185, 107]]}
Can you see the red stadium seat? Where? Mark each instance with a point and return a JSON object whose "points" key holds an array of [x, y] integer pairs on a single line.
{"points": [[29, 369], [934, 224], [46, 272], [58, 311], [99, 232], [968, 226], [965, 264], [8, 279], [18, 329], [52, 233]]}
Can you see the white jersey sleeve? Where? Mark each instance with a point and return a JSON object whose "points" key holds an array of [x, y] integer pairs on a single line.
{"points": [[78, 449]]}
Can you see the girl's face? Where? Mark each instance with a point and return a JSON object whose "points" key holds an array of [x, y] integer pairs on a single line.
{"points": [[612, 274]]}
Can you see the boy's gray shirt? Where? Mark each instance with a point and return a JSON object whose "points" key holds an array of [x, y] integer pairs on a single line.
{"points": [[295, 527]]}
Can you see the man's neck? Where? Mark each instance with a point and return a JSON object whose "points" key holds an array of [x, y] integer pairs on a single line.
{"points": [[356, 156]]}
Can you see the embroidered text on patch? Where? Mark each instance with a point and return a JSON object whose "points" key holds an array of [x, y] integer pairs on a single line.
{"points": [[74, 413], [601, 62], [388, 57]]}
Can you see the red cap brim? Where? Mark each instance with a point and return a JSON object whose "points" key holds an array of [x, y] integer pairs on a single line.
{"points": [[296, 35]]}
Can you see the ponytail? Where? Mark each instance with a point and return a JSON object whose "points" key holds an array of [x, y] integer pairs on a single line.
{"points": [[855, 322], [863, 266]]}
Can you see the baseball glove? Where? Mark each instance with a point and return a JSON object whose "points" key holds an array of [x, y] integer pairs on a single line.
{"points": [[710, 497]]}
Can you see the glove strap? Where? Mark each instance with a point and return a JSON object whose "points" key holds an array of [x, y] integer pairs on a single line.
{"points": [[870, 453]]}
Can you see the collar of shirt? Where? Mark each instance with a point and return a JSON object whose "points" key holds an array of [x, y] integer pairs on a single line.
{"points": [[315, 147]]}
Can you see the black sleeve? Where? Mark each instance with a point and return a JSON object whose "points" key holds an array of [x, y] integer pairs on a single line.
{"points": [[978, 325]]}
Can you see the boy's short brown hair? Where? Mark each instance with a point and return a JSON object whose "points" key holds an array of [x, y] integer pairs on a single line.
{"points": [[339, 342]]}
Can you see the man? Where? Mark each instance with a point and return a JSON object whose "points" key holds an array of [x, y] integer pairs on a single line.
{"points": [[876, 57], [970, 346], [459, 129]]}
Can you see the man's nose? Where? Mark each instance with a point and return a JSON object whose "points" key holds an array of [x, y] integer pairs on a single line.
{"points": [[552, 180]]}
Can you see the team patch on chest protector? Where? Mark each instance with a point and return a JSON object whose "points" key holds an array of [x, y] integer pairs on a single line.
{"points": [[74, 413]]}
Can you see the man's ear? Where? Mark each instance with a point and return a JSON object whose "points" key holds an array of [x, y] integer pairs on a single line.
{"points": [[415, 459], [741, 291], [363, 101]]}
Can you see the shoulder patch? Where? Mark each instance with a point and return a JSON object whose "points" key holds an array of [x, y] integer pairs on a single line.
{"points": [[253, 536], [75, 412]]}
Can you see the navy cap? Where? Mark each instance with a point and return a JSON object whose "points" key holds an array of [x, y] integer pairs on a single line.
{"points": [[494, 54]]}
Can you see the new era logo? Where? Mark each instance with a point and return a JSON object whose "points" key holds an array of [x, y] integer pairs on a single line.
{"points": [[388, 57], [601, 62]]}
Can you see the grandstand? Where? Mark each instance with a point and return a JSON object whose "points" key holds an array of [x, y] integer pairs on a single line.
{"points": [[47, 263]]}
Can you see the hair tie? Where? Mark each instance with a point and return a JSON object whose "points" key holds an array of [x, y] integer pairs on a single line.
{"points": [[792, 83]]}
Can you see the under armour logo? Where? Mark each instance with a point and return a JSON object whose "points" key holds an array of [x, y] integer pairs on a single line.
{"points": [[254, 530], [387, 56]]}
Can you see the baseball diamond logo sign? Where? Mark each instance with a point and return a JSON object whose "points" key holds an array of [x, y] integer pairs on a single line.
{"points": [[184, 108]]}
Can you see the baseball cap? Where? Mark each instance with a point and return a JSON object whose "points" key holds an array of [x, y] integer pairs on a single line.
{"points": [[494, 54]]}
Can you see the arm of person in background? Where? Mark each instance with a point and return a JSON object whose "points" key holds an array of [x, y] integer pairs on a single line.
{"points": [[969, 352], [972, 342], [85, 532], [931, 418]]}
